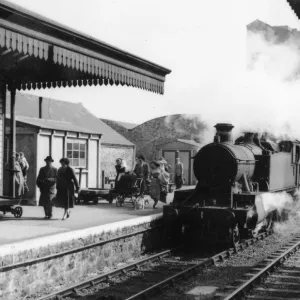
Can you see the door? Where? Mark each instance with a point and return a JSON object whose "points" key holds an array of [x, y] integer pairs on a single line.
{"points": [[185, 159]]}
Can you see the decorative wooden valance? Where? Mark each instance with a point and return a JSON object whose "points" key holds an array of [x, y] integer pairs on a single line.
{"points": [[36, 52]]}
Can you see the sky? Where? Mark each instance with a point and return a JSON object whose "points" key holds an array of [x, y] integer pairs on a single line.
{"points": [[202, 42]]}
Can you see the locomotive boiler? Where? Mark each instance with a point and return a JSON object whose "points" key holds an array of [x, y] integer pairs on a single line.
{"points": [[232, 179]]}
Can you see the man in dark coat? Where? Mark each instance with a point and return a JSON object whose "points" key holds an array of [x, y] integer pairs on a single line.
{"points": [[142, 171], [46, 182]]}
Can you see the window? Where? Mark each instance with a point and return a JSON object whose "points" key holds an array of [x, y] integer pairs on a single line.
{"points": [[76, 153]]}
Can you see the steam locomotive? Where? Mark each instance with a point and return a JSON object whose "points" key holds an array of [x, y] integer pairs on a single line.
{"points": [[232, 180]]}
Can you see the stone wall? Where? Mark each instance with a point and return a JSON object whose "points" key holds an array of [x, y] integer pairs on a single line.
{"points": [[50, 275], [163, 130], [152, 133], [109, 154]]}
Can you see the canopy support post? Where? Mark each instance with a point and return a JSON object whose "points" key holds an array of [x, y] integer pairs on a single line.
{"points": [[3, 105], [12, 141]]}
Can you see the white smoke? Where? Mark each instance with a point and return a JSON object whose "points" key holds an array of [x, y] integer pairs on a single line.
{"points": [[288, 208], [264, 96], [277, 201]]}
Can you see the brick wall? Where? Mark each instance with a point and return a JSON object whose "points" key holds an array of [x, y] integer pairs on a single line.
{"points": [[109, 154]]}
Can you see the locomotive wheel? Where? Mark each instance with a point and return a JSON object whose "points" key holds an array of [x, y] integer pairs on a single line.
{"points": [[95, 200], [234, 235], [18, 212]]}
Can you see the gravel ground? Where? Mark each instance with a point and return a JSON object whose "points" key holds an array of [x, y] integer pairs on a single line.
{"points": [[227, 272]]}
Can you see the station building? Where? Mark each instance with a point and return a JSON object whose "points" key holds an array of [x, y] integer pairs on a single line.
{"points": [[65, 129], [168, 136], [37, 52]]}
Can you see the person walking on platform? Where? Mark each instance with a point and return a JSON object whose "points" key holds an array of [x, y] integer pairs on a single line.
{"points": [[66, 179], [142, 171], [159, 182], [178, 173], [46, 182]]}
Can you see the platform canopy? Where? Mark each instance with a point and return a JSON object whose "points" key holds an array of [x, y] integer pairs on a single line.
{"points": [[36, 52], [295, 5]]}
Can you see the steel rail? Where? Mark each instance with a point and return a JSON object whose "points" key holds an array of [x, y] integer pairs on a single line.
{"points": [[247, 286], [73, 250], [193, 269], [104, 277]]}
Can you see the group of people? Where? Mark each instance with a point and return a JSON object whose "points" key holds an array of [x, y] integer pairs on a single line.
{"points": [[57, 187], [156, 175]]}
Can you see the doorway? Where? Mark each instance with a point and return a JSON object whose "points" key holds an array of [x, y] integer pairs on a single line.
{"points": [[185, 157]]}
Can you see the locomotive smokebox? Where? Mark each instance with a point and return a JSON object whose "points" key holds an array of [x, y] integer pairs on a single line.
{"points": [[224, 131]]}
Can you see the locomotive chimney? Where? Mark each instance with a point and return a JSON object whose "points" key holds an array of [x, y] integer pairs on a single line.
{"points": [[224, 132], [248, 138]]}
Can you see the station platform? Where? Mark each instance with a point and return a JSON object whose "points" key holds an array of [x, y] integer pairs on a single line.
{"points": [[32, 224]]}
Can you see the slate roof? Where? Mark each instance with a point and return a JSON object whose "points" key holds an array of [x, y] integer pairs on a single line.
{"points": [[63, 115], [53, 124], [125, 125], [189, 142]]}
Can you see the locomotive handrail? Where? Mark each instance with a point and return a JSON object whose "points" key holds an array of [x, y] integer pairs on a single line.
{"points": [[247, 160]]}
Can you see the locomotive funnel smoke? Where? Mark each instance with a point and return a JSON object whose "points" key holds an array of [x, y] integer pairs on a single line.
{"points": [[262, 96]]}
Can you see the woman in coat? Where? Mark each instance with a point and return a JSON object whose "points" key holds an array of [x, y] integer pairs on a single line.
{"points": [[121, 168], [66, 179], [159, 183]]}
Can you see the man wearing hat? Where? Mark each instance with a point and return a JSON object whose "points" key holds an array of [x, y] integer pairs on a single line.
{"points": [[142, 171], [46, 182]]}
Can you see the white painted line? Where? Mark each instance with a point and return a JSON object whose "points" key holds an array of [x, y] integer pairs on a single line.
{"points": [[45, 241]]}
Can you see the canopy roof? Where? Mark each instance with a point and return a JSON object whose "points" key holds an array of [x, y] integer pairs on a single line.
{"points": [[36, 52], [295, 5]]}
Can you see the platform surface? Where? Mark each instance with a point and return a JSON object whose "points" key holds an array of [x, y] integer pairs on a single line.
{"points": [[32, 224]]}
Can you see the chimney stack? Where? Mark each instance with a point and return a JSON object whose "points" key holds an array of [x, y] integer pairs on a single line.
{"points": [[224, 131], [40, 107]]}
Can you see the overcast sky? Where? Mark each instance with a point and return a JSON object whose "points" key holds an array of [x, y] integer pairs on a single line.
{"points": [[202, 42]]}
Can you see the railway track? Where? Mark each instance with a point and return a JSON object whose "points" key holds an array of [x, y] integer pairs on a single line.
{"points": [[146, 277], [275, 278]]}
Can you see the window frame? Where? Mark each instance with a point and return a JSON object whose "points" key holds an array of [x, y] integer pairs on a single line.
{"points": [[79, 150]]}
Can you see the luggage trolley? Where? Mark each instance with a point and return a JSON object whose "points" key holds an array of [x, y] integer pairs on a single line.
{"points": [[93, 194], [11, 205]]}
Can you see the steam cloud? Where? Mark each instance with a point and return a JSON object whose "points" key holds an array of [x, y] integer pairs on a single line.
{"points": [[262, 95]]}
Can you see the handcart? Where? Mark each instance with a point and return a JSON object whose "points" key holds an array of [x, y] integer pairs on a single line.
{"points": [[129, 186], [93, 194], [11, 205]]}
